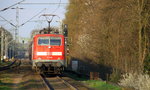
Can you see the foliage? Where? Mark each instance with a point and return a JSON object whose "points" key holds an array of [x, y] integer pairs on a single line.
{"points": [[77, 77], [5, 63], [4, 87], [101, 85], [136, 80], [147, 65], [110, 32], [115, 76]]}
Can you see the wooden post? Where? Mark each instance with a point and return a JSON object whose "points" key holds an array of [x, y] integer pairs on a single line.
{"points": [[94, 75], [91, 75]]}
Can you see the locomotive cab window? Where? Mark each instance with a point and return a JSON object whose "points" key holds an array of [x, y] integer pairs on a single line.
{"points": [[43, 41], [55, 41]]}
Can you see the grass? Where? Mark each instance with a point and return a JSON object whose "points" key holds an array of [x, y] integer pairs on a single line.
{"points": [[5, 63], [96, 84], [2, 87], [5, 81], [101, 85], [77, 77]]}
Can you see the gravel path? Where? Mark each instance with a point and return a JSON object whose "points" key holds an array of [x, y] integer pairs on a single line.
{"points": [[22, 78]]}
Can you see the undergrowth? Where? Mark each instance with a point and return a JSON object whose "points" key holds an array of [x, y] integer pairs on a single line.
{"points": [[101, 85], [137, 81]]}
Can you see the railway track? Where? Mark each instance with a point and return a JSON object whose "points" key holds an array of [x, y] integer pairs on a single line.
{"points": [[57, 83], [14, 64]]}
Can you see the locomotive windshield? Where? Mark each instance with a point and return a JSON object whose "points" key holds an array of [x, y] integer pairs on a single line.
{"points": [[55, 41], [43, 41]]}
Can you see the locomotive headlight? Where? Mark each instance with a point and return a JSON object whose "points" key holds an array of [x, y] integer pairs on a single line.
{"points": [[57, 53], [39, 58], [58, 58]]}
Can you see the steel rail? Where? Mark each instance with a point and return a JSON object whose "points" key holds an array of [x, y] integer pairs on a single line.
{"points": [[10, 65], [66, 83], [47, 84], [19, 63]]}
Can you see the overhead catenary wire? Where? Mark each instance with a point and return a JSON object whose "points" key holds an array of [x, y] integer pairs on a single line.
{"points": [[4, 23], [50, 20], [2, 20], [12, 5], [46, 4], [43, 3], [37, 21], [8, 21], [33, 16], [57, 7]]}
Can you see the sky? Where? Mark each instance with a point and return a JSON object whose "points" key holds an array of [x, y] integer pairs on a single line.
{"points": [[29, 11]]}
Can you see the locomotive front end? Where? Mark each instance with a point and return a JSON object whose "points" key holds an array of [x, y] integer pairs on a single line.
{"points": [[48, 53]]}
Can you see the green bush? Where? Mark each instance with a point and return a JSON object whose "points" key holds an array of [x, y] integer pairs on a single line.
{"points": [[100, 85], [4, 88], [147, 65], [115, 76]]}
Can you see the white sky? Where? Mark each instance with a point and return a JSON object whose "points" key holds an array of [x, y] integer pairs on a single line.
{"points": [[28, 12]]}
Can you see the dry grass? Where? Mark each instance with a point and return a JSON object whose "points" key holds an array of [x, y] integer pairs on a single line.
{"points": [[136, 80]]}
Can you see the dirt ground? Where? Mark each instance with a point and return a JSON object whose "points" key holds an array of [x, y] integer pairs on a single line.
{"points": [[22, 78]]}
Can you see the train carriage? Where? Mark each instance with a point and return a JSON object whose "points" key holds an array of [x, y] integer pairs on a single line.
{"points": [[48, 53]]}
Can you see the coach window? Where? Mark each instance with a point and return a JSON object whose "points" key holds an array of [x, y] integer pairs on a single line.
{"points": [[56, 41], [43, 41]]}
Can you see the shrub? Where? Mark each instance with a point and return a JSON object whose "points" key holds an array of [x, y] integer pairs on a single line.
{"points": [[137, 81], [147, 64], [115, 76]]}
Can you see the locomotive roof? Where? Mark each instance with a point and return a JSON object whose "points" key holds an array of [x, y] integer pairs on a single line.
{"points": [[39, 35]]}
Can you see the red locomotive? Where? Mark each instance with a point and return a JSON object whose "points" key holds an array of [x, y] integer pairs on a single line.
{"points": [[48, 53]]}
